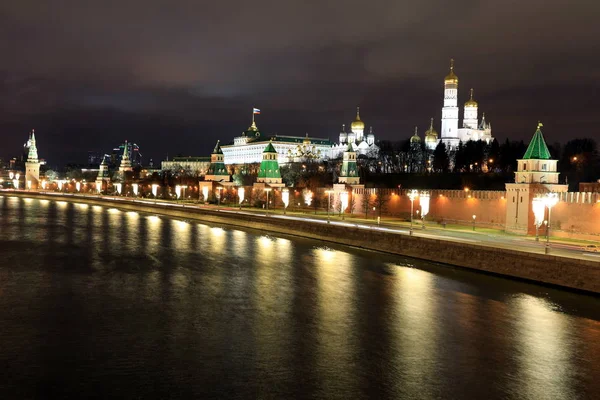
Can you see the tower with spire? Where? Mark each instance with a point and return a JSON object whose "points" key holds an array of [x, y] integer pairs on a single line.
{"points": [[103, 176], [470, 115], [450, 109], [471, 129], [217, 170], [32, 165], [536, 175], [125, 165], [349, 170], [269, 167]]}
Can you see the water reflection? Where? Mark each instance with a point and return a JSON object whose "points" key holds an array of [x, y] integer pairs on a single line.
{"points": [[544, 349], [131, 305]]}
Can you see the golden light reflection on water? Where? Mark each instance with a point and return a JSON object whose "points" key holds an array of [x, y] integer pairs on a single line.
{"points": [[218, 240], [82, 206], [416, 327], [544, 337], [132, 227], [335, 293], [181, 235]]}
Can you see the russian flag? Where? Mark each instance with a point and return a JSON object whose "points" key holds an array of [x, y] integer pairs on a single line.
{"points": [[256, 111]]}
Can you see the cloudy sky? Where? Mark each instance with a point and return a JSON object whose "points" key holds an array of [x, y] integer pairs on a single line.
{"points": [[175, 76]]}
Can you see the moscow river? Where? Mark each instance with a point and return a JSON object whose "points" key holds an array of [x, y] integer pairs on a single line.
{"points": [[101, 303]]}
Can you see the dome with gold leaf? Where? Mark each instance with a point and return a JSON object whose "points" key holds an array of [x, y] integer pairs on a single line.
{"points": [[471, 102], [451, 77], [357, 124], [431, 134]]}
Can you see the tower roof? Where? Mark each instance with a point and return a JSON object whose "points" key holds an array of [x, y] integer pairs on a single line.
{"points": [[217, 149], [451, 77], [537, 149], [431, 132], [349, 149], [357, 123], [270, 148], [415, 138], [471, 102]]}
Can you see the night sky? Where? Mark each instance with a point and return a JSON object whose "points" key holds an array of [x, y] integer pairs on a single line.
{"points": [[175, 76]]}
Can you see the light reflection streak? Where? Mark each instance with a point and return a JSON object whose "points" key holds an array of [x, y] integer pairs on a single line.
{"points": [[545, 343], [335, 300], [416, 328]]}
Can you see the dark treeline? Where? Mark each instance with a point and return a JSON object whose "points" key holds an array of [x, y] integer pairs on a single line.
{"points": [[474, 163]]}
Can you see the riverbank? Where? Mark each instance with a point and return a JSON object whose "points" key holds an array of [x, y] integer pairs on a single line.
{"points": [[552, 269]]}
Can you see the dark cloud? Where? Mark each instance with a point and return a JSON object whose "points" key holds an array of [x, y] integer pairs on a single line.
{"points": [[175, 76]]}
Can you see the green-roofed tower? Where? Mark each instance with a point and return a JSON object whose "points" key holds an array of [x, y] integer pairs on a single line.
{"points": [[537, 149], [269, 167], [536, 175], [349, 171], [217, 170], [536, 165]]}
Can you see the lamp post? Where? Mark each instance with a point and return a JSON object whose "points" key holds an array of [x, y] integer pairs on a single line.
{"points": [[550, 200], [539, 208], [285, 198], [267, 207], [343, 202], [328, 203], [219, 188], [474, 216], [241, 193], [424, 202], [412, 195]]}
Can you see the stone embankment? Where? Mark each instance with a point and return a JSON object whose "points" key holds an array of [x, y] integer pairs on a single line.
{"points": [[567, 272]]}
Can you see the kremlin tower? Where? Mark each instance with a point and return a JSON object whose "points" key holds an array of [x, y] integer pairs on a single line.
{"points": [[32, 165]]}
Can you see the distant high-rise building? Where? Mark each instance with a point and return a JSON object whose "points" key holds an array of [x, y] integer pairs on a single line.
{"points": [[94, 158]]}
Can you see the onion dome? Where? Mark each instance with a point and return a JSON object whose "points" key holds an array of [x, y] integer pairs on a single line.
{"points": [[451, 77], [431, 134], [415, 138], [471, 102], [357, 124]]}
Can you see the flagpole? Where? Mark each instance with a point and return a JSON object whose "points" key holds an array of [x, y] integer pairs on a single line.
{"points": [[252, 116]]}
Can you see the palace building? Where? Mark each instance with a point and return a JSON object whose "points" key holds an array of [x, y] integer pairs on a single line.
{"points": [[249, 146]]}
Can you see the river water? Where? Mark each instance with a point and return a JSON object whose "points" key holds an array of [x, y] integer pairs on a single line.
{"points": [[101, 303]]}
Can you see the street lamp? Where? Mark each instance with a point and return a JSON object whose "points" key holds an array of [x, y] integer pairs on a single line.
{"points": [[219, 188], [241, 192], [267, 190], [328, 202], [424, 202], [285, 198], [539, 208], [344, 202], [474, 216], [412, 195], [550, 200]]}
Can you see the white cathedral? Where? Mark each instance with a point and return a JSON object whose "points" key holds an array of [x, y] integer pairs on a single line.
{"points": [[472, 128], [361, 143]]}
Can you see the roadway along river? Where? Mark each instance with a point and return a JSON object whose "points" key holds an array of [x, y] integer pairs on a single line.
{"points": [[101, 303]]}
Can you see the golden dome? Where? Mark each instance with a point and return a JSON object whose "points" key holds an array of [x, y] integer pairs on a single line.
{"points": [[357, 124], [431, 134], [471, 102], [415, 138], [451, 77]]}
